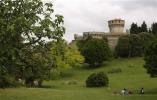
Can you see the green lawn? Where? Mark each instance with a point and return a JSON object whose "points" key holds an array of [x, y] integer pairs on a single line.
{"points": [[133, 77]]}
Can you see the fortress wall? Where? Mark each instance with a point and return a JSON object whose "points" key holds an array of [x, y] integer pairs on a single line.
{"points": [[112, 41], [116, 27]]}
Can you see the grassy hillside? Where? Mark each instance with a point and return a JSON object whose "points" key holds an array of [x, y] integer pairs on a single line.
{"points": [[133, 77]]}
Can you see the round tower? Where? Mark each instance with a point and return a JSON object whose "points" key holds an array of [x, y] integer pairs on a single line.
{"points": [[116, 26]]}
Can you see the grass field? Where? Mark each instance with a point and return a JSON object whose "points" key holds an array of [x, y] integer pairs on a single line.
{"points": [[133, 77]]}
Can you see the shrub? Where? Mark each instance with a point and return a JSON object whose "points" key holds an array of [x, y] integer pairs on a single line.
{"points": [[97, 80]]}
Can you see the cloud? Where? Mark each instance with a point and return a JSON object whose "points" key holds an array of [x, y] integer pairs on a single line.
{"points": [[92, 15], [137, 4]]}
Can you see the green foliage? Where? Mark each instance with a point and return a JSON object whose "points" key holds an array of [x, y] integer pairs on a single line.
{"points": [[96, 51], [55, 74], [74, 57], [154, 28], [146, 38], [150, 58], [25, 27], [123, 47], [66, 56], [4, 79], [134, 29], [144, 27], [133, 45], [97, 80]]}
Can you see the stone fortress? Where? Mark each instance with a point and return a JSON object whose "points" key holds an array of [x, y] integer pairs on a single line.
{"points": [[116, 27]]}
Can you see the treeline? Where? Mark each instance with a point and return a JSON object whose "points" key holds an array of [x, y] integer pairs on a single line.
{"points": [[133, 45], [135, 29]]}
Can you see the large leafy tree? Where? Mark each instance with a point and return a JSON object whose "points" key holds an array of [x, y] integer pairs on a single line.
{"points": [[96, 51], [151, 59], [26, 28]]}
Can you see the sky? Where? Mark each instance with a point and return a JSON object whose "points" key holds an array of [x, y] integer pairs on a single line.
{"points": [[92, 15]]}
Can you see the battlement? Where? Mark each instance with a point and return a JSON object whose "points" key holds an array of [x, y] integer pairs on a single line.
{"points": [[116, 25]]}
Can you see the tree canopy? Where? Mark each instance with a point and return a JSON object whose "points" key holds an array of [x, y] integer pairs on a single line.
{"points": [[135, 29], [26, 29], [96, 51]]}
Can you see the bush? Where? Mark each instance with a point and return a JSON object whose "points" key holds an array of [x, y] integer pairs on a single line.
{"points": [[97, 80]]}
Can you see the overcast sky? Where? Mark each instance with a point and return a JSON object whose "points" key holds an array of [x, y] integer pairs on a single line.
{"points": [[92, 15]]}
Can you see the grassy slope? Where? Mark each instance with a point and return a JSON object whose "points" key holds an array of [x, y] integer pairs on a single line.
{"points": [[133, 77]]}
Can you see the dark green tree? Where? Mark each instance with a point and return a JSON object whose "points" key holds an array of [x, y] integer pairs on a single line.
{"points": [[150, 58], [25, 27], [129, 46], [123, 47], [144, 27], [135, 45], [96, 51], [154, 28], [146, 38], [134, 29]]}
